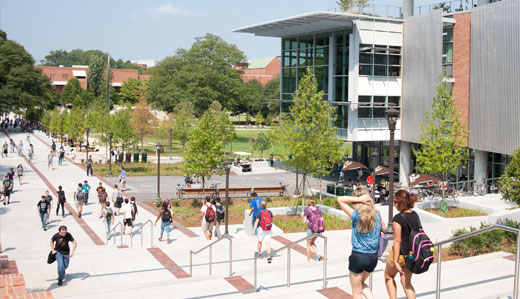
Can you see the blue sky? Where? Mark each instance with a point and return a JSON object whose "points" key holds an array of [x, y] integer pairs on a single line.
{"points": [[147, 29]]}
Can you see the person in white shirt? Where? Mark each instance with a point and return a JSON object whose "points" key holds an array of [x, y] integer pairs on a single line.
{"points": [[117, 199], [127, 209], [208, 218]]}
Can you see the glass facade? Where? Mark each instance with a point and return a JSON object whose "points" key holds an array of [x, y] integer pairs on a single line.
{"points": [[379, 60], [447, 50]]}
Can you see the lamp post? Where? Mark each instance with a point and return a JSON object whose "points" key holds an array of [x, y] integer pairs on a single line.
{"points": [[391, 115], [158, 148], [171, 134], [110, 135], [374, 155], [86, 158], [227, 167]]}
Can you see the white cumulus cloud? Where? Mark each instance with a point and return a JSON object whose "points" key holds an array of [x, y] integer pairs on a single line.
{"points": [[168, 9]]}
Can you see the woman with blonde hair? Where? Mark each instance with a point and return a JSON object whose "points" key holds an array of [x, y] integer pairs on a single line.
{"points": [[367, 226]]}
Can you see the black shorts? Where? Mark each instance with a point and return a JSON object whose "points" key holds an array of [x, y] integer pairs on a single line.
{"points": [[128, 222], [7, 192], [359, 262]]}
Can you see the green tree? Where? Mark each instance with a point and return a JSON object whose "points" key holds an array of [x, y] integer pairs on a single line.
{"points": [[252, 98], [272, 92], [204, 149], [444, 137], [124, 133], [346, 5], [143, 120], [98, 119], [307, 133], [268, 120], [225, 127], [262, 143], [75, 125], [96, 76], [183, 121], [509, 182], [70, 91], [259, 119], [132, 90]]}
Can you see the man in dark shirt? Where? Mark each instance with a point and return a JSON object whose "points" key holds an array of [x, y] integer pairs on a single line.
{"points": [[7, 187], [48, 198], [89, 165], [43, 209], [60, 247]]}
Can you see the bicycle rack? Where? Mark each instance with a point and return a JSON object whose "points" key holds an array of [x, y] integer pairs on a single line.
{"points": [[140, 229], [211, 255]]}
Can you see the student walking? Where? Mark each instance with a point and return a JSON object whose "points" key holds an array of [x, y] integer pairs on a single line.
{"points": [[127, 210], [61, 202], [11, 176], [60, 247], [122, 179], [108, 218], [313, 218], [117, 199], [61, 155], [89, 165], [4, 150], [20, 173], [48, 198], [30, 153], [20, 148], [53, 146], [11, 142], [207, 216], [72, 155], [367, 226], [79, 195], [134, 208], [43, 210], [7, 187], [166, 220], [264, 223], [255, 206], [86, 190], [221, 214], [102, 196], [404, 202], [50, 159]]}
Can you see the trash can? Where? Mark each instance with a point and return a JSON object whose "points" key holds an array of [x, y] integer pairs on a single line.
{"points": [[136, 157], [340, 190], [144, 157], [330, 189], [120, 158], [128, 157]]}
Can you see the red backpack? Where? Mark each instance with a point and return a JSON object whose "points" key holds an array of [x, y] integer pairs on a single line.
{"points": [[266, 221], [210, 213]]}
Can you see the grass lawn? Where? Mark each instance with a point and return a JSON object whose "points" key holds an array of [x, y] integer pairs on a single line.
{"points": [[454, 212], [139, 169]]}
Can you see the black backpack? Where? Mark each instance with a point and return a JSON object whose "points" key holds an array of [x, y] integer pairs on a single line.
{"points": [[166, 215], [61, 196], [421, 255], [220, 212]]}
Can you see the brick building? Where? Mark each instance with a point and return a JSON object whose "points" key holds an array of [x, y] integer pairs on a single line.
{"points": [[262, 69]]}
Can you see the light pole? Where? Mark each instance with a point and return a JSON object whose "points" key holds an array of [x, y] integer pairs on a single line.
{"points": [[171, 134], [110, 134], [86, 158], [374, 155], [391, 115], [227, 167], [158, 148]]}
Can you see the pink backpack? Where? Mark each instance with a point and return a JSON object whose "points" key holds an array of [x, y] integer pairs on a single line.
{"points": [[317, 223]]}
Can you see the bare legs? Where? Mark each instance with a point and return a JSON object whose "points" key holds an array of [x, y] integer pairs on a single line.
{"points": [[359, 288], [406, 282]]}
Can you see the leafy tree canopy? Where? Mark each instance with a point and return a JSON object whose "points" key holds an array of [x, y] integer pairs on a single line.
{"points": [[132, 90], [509, 182]]}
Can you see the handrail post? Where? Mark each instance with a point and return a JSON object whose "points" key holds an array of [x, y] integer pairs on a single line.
{"points": [[191, 263], [438, 287], [324, 262], [255, 273], [121, 233], [151, 235], [289, 266], [131, 240], [370, 280], [517, 259], [230, 257], [210, 258]]}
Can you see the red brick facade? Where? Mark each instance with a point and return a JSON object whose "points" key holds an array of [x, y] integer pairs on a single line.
{"points": [[263, 75], [461, 64]]}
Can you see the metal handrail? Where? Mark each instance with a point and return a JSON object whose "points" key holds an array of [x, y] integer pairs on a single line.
{"points": [[288, 247], [210, 245], [113, 231], [471, 234], [140, 228]]}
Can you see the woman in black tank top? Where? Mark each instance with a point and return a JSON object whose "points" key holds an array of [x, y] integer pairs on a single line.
{"points": [[404, 202]]}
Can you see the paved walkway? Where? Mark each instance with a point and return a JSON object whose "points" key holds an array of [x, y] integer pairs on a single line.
{"points": [[162, 271]]}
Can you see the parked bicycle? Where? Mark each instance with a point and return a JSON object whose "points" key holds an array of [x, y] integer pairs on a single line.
{"points": [[217, 190]]}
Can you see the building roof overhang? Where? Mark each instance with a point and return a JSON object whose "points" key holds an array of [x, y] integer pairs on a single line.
{"points": [[320, 21]]}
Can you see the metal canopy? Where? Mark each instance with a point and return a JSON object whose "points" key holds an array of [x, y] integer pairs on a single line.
{"points": [[307, 23]]}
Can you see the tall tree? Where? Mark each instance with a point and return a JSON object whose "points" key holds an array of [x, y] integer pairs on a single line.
{"points": [[124, 133], [307, 133], [70, 91], [132, 90], [205, 149], [346, 5], [262, 143], [96, 76], [75, 124], [183, 121], [444, 136], [143, 120]]}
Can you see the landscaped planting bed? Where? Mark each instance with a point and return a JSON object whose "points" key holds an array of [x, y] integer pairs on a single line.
{"points": [[455, 212]]}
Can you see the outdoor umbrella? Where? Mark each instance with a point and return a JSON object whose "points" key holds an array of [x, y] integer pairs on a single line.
{"points": [[418, 178], [352, 165], [381, 170]]}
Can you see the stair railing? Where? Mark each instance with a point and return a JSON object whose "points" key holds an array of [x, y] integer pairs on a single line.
{"points": [[113, 231], [141, 229], [210, 246]]}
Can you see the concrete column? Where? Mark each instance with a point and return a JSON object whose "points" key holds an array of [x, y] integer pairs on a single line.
{"points": [[482, 2], [408, 8], [405, 163], [481, 163]]}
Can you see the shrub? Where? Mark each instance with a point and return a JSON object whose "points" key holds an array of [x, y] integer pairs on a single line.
{"points": [[195, 203], [176, 203], [509, 182], [157, 202], [268, 199]]}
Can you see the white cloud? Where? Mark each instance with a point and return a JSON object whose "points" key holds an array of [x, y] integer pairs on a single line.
{"points": [[169, 9]]}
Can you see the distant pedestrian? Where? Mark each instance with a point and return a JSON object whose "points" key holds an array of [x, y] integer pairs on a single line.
{"points": [[4, 150], [30, 153], [11, 142], [89, 165], [264, 223], [7, 187], [48, 198], [79, 196], [60, 247], [50, 159], [72, 155], [313, 218], [221, 214], [43, 210], [127, 210], [28, 137], [122, 179], [271, 160], [255, 206], [117, 199], [20, 173], [86, 190], [11, 176], [107, 214], [207, 217], [20, 148], [53, 146], [61, 202], [61, 156], [134, 207], [166, 220]]}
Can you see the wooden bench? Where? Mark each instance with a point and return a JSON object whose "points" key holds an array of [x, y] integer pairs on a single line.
{"points": [[279, 189], [247, 191]]}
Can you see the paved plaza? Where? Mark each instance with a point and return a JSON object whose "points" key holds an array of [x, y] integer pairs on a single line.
{"points": [[101, 270]]}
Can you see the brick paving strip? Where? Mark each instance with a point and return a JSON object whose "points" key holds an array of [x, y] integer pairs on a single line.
{"points": [[241, 284], [335, 293], [511, 257], [13, 286], [168, 263], [296, 247], [88, 230], [177, 225]]}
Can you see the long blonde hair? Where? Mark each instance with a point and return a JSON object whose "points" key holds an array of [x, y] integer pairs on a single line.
{"points": [[367, 212]]}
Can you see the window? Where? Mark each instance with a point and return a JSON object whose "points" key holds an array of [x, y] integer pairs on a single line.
{"points": [[341, 61], [447, 50], [376, 106], [379, 60]]}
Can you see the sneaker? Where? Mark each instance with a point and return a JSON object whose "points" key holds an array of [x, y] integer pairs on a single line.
{"points": [[4, 203], [257, 254], [79, 215], [319, 258], [60, 282], [45, 229], [269, 259]]}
